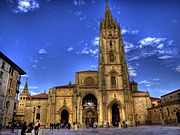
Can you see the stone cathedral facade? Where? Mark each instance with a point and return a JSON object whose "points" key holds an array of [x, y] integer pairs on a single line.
{"points": [[105, 96]]}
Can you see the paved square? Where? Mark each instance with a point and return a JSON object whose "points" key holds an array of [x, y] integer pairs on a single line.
{"points": [[142, 130]]}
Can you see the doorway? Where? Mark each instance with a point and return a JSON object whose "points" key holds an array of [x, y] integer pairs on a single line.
{"points": [[64, 116], [115, 114], [178, 117]]}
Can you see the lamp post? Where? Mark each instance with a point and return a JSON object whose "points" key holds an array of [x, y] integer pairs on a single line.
{"points": [[76, 114], [34, 113]]}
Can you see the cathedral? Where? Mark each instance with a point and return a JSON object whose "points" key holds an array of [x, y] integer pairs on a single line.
{"points": [[105, 96]]}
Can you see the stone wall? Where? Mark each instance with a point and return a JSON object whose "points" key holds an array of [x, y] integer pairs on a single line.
{"points": [[4, 77], [142, 102]]}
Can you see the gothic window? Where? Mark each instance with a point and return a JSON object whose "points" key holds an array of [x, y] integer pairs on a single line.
{"points": [[111, 57], [89, 81], [110, 44], [113, 81]]}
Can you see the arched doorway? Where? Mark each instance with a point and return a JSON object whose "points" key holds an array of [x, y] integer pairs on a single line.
{"points": [[64, 116], [115, 114], [89, 115], [178, 117]]}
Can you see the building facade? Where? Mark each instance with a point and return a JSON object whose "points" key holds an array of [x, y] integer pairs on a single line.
{"points": [[168, 111], [10, 75], [105, 96]]}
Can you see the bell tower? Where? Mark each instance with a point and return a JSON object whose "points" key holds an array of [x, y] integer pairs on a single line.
{"points": [[113, 71]]}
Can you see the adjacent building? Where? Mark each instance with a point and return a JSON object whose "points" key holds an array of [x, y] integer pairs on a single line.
{"points": [[167, 112], [105, 96], [10, 75], [32, 108]]}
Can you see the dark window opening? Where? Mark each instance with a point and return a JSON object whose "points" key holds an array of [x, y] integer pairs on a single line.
{"points": [[38, 116], [1, 75], [113, 81], [7, 104], [3, 65], [111, 57], [15, 106]]}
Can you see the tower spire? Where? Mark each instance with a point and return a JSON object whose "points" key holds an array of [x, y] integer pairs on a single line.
{"points": [[108, 18], [25, 90]]}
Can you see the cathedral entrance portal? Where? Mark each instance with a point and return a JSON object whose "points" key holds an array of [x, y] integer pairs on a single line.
{"points": [[64, 116], [89, 110], [115, 114]]}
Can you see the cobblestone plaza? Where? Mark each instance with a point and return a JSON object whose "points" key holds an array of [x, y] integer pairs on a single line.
{"points": [[141, 130]]}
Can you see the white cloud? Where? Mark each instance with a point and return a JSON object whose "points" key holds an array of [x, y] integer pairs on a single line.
{"points": [[165, 57], [32, 92], [93, 66], [156, 79], [26, 76], [128, 46], [69, 49], [89, 51], [149, 41], [134, 58], [95, 42], [146, 83], [79, 15], [178, 68], [42, 51], [29, 87], [127, 31], [132, 71], [78, 2], [33, 87], [25, 6], [160, 46], [34, 66]]}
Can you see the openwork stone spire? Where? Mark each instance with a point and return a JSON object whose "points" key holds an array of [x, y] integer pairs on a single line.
{"points": [[25, 90]]}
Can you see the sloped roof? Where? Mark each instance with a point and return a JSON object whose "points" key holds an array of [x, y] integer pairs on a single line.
{"points": [[154, 98], [85, 71], [66, 86], [171, 92], [10, 62], [40, 96]]}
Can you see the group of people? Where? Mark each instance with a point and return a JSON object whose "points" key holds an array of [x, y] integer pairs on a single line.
{"points": [[93, 125], [31, 129], [60, 125]]}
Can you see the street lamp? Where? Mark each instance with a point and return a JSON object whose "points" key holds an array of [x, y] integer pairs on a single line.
{"points": [[76, 114], [34, 113]]}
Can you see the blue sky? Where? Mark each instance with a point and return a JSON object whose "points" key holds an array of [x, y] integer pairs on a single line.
{"points": [[53, 39]]}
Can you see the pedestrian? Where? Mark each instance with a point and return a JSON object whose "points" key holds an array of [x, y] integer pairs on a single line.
{"points": [[87, 125], [23, 129], [13, 125], [69, 125], [36, 129], [126, 124]]}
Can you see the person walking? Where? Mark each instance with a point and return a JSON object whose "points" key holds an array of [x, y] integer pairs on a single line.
{"points": [[23, 129], [126, 123], [13, 125], [37, 126]]}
